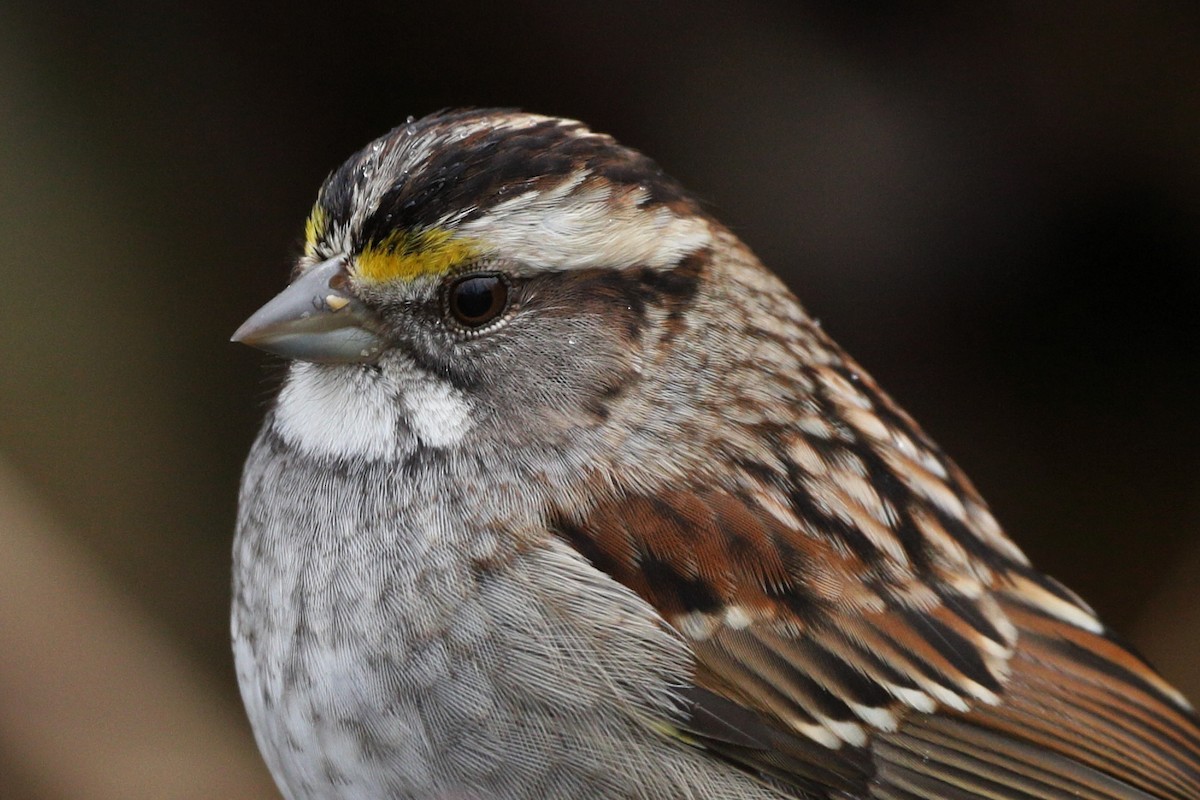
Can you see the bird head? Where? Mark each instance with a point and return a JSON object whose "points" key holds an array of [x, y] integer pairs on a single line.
{"points": [[507, 271]]}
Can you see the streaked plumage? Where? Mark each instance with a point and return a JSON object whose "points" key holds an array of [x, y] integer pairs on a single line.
{"points": [[638, 528]]}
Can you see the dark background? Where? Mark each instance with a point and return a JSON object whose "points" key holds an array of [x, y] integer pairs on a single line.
{"points": [[996, 211]]}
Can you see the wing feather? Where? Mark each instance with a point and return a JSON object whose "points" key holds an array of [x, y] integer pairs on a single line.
{"points": [[1006, 689], [863, 628]]}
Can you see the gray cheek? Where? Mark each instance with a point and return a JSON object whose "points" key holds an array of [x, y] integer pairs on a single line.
{"points": [[558, 374]]}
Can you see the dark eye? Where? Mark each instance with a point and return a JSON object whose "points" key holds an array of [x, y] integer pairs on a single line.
{"points": [[476, 300]]}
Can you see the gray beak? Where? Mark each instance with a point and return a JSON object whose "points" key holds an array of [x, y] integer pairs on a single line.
{"points": [[316, 319]]}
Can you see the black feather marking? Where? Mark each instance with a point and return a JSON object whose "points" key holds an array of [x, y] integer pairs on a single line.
{"points": [[961, 654], [894, 491], [874, 664], [807, 508], [718, 719], [692, 594], [473, 174], [585, 545], [856, 687], [795, 761], [969, 613]]}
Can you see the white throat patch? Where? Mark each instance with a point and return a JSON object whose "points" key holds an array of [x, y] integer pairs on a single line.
{"points": [[439, 414], [350, 412]]}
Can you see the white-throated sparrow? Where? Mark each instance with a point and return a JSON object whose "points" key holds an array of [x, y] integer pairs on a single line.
{"points": [[565, 496]]}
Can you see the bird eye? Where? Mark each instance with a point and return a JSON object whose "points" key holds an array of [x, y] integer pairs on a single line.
{"points": [[475, 300]]}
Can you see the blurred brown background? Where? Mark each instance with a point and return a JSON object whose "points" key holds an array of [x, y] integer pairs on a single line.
{"points": [[997, 211]]}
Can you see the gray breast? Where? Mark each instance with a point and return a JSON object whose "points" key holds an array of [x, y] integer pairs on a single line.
{"points": [[386, 646]]}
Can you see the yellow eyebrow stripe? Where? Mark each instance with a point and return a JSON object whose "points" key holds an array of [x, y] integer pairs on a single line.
{"points": [[407, 255], [314, 229]]}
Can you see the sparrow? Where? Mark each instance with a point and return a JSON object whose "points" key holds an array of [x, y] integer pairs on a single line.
{"points": [[565, 495]]}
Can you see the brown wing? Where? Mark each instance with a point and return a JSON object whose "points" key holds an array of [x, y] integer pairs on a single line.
{"points": [[863, 628], [1080, 716], [817, 675]]}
